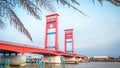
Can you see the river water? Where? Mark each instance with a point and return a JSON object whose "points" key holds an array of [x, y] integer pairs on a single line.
{"points": [[80, 65]]}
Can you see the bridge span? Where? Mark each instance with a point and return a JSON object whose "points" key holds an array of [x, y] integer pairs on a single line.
{"points": [[10, 47], [55, 54]]}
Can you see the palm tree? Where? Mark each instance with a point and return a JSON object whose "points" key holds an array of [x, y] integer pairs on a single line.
{"points": [[34, 9], [115, 2]]}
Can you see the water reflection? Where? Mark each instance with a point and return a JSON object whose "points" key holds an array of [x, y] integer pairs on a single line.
{"points": [[80, 65]]}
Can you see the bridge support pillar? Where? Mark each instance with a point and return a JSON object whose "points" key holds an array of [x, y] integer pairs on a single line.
{"points": [[84, 60], [53, 59], [71, 60], [14, 60]]}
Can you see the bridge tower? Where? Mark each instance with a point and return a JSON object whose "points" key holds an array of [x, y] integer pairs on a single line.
{"points": [[68, 39], [51, 29]]}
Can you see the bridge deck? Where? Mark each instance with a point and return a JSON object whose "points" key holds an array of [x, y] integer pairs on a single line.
{"points": [[23, 48]]}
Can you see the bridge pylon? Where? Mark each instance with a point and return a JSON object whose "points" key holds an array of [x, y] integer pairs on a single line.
{"points": [[51, 29], [68, 39]]}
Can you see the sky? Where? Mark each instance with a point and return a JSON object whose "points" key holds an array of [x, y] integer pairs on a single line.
{"points": [[96, 35]]}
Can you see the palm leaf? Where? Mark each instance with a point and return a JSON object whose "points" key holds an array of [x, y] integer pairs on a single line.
{"points": [[46, 4], [2, 24], [31, 7], [100, 1], [14, 20], [65, 2], [74, 1], [6, 12], [93, 1], [115, 2]]}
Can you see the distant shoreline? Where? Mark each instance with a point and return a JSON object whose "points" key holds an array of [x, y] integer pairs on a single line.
{"points": [[104, 60]]}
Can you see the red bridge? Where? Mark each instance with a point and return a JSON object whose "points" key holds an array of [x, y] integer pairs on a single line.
{"points": [[51, 29], [8, 47]]}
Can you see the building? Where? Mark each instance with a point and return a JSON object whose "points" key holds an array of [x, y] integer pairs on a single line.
{"points": [[99, 58]]}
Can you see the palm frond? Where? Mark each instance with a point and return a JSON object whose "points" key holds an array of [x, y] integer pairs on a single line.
{"points": [[93, 1], [115, 2], [65, 2], [46, 4], [74, 1], [2, 24], [14, 20], [3, 11], [100, 1], [32, 8], [6, 12], [3, 6]]}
